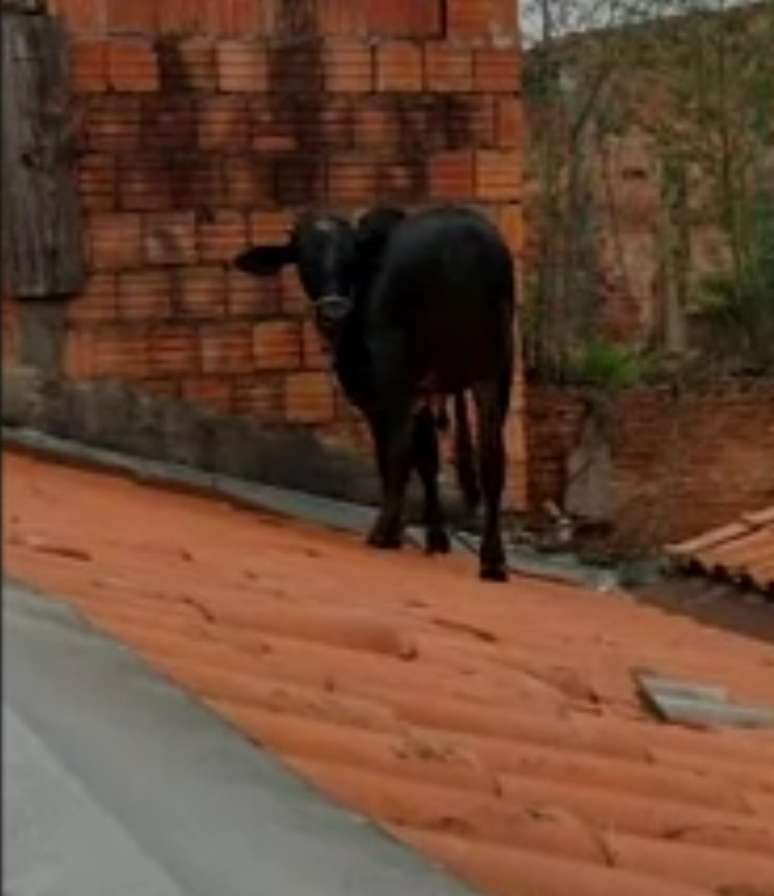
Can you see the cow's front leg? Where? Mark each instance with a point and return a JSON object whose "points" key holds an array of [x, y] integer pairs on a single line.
{"points": [[426, 462], [393, 444]]}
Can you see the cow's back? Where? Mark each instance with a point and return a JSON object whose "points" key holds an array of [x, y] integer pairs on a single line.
{"points": [[447, 286]]}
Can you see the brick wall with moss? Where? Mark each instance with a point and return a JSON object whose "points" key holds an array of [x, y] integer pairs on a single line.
{"points": [[205, 124]]}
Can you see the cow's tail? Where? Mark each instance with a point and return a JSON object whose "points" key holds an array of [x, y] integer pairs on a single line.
{"points": [[464, 454]]}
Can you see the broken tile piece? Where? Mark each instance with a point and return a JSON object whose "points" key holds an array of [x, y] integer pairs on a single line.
{"points": [[692, 703]]}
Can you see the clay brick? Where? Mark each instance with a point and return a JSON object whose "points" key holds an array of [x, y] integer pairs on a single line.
{"points": [[78, 355], [143, 183], [270, 228], [227, 348], [114, 240], [277, 345], [471, 121], [144, 295], [294, 299], [336, 126], [200, 292], [97, 302], [224, 123], [168, 122], [197, 180], [247, 181], [309, 398], [451, 175], [89, 66], [298, 179], [296, 68], [510, 122], [170, 238], [314, 127], [131, 16], [498, 174], [242, 67], [177, 17], [348, 68], [510, 219], [234, 18], [404, 18], [222, 236], [273, 126], [188, 65], [97, 181], [351, 181], [161, 387], [259, 398], [113, 123], [80, 16], [120, 351], [211, 392], [133, 66], [315, 353], [448, 68], [497, 70], [399, 67], [337, 19], [172, 350], [494, 20], [273, 143], [252, 297], [377, 125], [404, 183]]}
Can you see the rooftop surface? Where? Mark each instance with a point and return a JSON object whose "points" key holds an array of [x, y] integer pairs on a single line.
{"points": [[495, 728]]}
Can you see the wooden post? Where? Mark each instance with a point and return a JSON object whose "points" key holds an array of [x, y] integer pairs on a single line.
{"points": [[41, 235]]}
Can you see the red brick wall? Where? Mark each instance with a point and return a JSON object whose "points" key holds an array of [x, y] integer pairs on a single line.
{"points": [[681, 464], [206, 123]]}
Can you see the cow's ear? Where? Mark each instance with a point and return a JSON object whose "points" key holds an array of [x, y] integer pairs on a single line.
{"points": [[264, 261]]}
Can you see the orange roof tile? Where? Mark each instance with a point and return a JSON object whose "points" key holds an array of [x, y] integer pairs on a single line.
{"points": [[497, 729], [741, 552]]}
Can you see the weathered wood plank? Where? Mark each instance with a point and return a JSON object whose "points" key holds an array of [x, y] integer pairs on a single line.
{"points": [[42, 251]]}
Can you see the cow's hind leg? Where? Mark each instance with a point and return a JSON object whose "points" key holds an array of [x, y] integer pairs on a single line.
{"points": [[393, 435], [491, 406], [425, 451]]}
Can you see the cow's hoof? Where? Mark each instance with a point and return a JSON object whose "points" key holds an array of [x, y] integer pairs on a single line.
{"points": [[494, 573], [385, 541], [437, 541]]}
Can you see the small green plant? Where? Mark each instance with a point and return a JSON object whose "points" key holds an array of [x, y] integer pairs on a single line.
{"points": [[607, 366]]}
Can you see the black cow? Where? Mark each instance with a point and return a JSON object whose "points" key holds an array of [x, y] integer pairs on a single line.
{"points": [[415, 307]]}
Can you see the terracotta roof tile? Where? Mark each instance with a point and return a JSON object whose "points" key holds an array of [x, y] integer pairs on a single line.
{"points": [[704, 866], [741, 552], [510, 871], [496, 729]]}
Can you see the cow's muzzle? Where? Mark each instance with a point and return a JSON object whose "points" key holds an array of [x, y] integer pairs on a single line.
{"points": [[332, 310]]}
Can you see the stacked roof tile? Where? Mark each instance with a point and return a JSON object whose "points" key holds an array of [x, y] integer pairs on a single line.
{"points": [[741, 552]]}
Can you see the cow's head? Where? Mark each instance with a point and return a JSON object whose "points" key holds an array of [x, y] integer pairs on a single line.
{"points": [[335, 260]]}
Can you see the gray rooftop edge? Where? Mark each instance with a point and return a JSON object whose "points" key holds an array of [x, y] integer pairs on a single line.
{"points": [[119, 784]]}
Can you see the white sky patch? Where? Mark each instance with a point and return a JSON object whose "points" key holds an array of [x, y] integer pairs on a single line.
{"points": [[568, 16]]}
